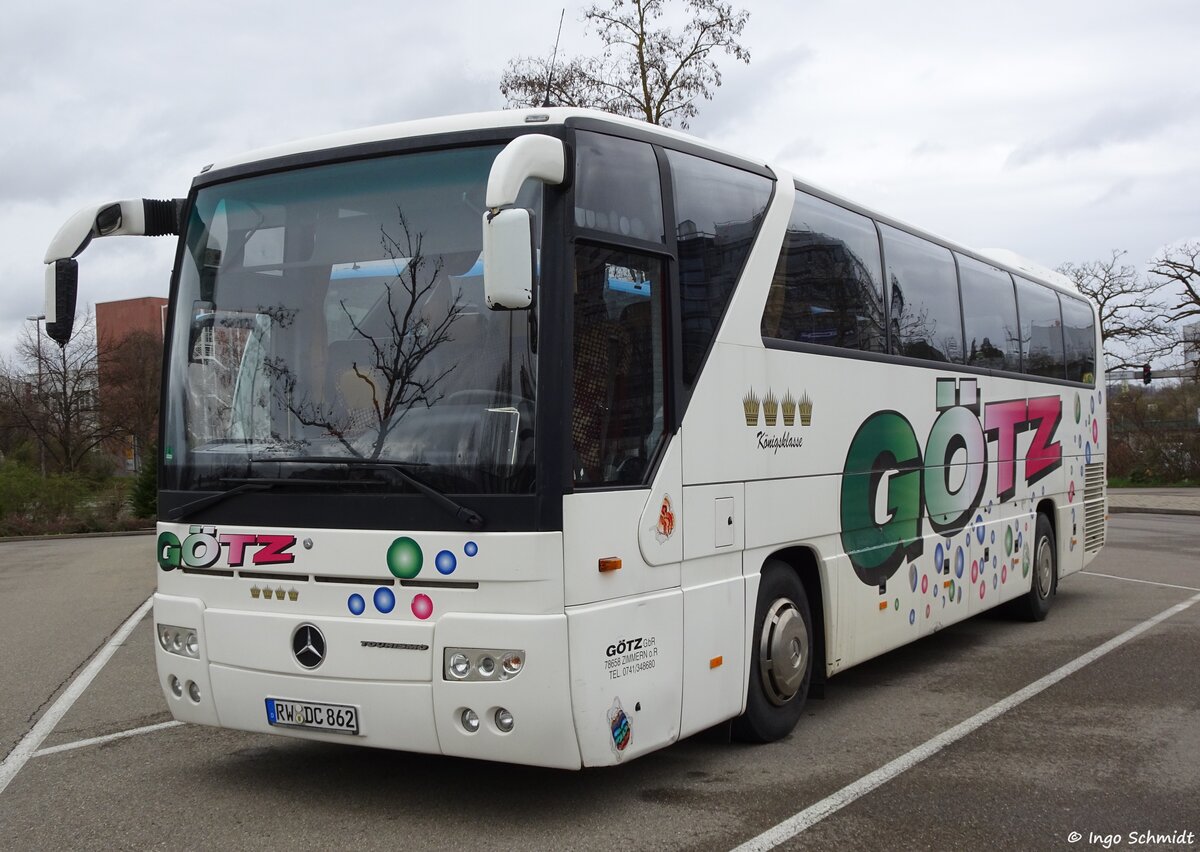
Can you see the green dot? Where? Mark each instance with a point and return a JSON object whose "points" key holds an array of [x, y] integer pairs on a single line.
{"points": [[897, 604], [1008, 541], [404, 558]]}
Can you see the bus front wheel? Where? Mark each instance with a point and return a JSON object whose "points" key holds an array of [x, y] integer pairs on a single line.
{"points": [[781, 658]]}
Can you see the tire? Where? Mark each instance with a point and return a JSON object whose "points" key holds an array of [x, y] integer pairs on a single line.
{"points": [[1036, 603], [783, 629]]}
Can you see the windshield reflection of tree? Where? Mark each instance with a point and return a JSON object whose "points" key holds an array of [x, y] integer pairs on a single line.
{"points": [[396, 373]]}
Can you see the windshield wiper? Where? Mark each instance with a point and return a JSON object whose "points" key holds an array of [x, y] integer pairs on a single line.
{"points": [[396, 469], [212, 499]]}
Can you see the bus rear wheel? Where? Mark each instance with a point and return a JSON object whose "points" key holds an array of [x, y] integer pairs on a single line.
{"points": [[1036, 603], [781, 662]]}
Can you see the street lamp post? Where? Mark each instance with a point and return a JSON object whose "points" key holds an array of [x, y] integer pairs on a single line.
{"points": [[37, 321]]}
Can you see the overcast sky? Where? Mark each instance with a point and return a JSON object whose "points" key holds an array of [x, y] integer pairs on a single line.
{"points": [[1059, 129]]}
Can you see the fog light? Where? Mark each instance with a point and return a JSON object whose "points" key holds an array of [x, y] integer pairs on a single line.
{"points": [[460, 666], [470, 720], [177, 642], [193, 691], [164, 637], [511, 663], [192, 645], [504, 720], [487, 666], [176, 686]]}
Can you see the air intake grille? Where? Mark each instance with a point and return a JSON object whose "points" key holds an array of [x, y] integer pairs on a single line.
{"points": [[1093, 507]]}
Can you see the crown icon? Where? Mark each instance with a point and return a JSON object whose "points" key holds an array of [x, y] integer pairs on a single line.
{"points": [[806, 408], [770, 408], [254, 591], [789, 409], [750, 408], [279, 593], [292, 594]]}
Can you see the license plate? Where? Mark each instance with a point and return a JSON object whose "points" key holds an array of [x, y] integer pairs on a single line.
{"points": [[334, 718]]}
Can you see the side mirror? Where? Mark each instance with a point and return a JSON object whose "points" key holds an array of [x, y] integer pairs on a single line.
{"points": [[508, 259], [508, 255], [62, 289]]}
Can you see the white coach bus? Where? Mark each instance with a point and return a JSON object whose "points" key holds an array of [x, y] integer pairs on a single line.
{"points": [[551, 437]]}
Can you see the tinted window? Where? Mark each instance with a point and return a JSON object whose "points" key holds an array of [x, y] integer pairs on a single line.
{"points": [[989, 316], [617, 188], [923, 292], [718, 210], [1079, 334], [828, 285], [1041, 330]]}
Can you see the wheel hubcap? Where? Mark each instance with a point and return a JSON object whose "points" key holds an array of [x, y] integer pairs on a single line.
{"points": [[783, 651], [1045, 568]]}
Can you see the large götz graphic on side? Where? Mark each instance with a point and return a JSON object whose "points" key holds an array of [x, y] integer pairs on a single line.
{"points": [[947, 482]]}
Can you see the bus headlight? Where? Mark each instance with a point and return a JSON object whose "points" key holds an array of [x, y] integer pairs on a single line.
{"points": [[476, 664], [181, 641], [504, 720]]}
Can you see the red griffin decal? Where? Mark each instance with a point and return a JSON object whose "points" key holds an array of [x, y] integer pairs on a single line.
{"points": [[273, 547], [666, 519]]}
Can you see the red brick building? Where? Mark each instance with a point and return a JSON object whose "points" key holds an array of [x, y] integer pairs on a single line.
{"points": [[129, 333]]}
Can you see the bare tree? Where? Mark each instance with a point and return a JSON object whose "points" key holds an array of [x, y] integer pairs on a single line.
{"points": [[1179, 267], [1134, 328], [51, 393], [395, 377], [645, 70]]}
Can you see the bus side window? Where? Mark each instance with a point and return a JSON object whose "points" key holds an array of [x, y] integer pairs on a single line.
{"points": [[923, 288], [828, 284], [1079, 335], [1041, 330], [990, 314]]}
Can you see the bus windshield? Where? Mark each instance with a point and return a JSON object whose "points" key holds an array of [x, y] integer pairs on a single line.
{"points": [[337, 311]]}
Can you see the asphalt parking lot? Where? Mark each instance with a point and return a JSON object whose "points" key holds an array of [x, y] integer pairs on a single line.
{"points": [[993, 733]]}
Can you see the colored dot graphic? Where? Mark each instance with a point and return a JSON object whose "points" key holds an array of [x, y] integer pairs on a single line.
{"points": [[939, 558], [960, 560], [404, 558], [1096, 431], [924, 584], [470, 548], [912, 576], [445, 562], [912, 616], [1003, 573], [1008, 540], [422, 607], [974, 571], [982, 588], [356, 604], [979, 531], [385, 599], [1079, 408]]}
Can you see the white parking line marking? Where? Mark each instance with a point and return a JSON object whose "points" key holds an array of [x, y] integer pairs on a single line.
{"points": [[120, 735], [31, 741], [1146, 582], [813, 814]]}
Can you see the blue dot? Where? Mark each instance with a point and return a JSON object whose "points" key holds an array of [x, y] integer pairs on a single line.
{"points": [[995, 562], [979, 531], [995, 581], [356, 604], [470, 548], [445, 562], [1087, 452], [385, 599], [993, 536], [959, 561], [935, 590], [912, 616], [939, 558]]}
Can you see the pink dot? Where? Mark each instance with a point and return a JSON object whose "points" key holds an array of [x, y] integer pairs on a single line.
{"points": [[982, 589], [927, 610], [1003, 573], [422, 607], [924, 584], [974, 571], [1096, 431]]}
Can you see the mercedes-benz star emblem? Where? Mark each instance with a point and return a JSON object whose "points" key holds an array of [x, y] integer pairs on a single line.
{"points": [[308, 646]]}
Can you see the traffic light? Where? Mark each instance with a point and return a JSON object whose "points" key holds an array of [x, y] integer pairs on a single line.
{"points": [[1145, 374]]}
